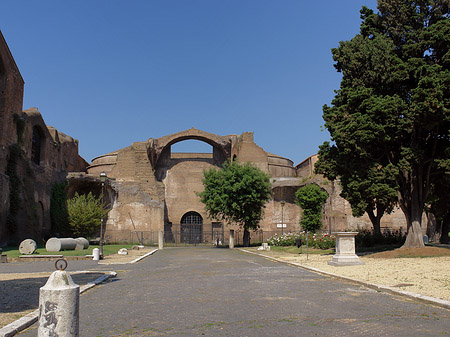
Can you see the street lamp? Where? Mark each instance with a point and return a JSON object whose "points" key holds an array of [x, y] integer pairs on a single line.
{"points": [[103, 178], [282, 216]]}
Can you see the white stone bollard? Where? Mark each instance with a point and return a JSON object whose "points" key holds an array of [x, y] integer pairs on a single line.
{"points": [[160, 240], [231, 239], [59, 303], [96, 254]]}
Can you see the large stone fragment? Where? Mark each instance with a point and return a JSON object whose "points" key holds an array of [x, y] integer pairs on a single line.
{"points": [[27, 247], [82, 243], [57, 245], [59, 306]]}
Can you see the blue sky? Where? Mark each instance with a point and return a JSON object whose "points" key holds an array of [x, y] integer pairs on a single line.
{"points": [[111, 72]]}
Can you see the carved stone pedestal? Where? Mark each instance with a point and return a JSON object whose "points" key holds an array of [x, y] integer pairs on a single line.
{"points": [[345, 250]]}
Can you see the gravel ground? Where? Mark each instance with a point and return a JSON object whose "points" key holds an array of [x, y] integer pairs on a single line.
{"points": [[428, 276]]}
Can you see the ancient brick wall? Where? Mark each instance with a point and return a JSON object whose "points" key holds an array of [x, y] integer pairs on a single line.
{"points": [[32, 159]]}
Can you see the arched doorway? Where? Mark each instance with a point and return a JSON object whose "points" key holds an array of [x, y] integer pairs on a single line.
{"points": [[191, 228]]}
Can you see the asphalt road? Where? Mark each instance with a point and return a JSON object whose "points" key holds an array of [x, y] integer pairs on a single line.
{"points": [[222, 292]]}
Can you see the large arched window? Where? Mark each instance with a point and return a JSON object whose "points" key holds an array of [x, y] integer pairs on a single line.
{"points": [[191, 228], [37, 145], [192, 218]]}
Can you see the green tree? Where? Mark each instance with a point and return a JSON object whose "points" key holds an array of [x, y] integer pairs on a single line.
{"points": [[236, 193], [58, 209], [311, 199], [439, 201], [367, 184], [392, 111], [85, 214]]}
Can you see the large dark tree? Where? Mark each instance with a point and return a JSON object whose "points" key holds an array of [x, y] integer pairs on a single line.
{"points": [[367, 184], [391, 114], [439, 200], [236, 193]]}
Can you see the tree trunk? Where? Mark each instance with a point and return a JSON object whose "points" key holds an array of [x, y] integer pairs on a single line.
{"points": [[376, 220], [414, 237], [246, 238], [445, 229], [412, 206]]}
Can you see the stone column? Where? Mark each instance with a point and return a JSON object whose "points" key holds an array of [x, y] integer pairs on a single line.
{"points": [[160, 240], [59, 302], [231, 239], [345, 250]]}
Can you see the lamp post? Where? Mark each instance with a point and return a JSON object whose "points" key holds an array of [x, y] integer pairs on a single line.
{"points": [[103, 178], [282, 216]]}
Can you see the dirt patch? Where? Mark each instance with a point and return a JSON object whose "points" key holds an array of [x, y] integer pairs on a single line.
{"points": [[411, 253], [428, 276], [20, 292]]}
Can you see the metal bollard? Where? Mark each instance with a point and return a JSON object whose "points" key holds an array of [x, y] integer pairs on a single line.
{"points": [[59, 303]]}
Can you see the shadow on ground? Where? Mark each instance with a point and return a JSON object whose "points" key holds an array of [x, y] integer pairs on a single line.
{"points": [[22, 294]]}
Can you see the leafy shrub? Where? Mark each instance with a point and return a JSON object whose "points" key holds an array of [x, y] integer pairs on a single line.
{"points": [[315, 240], [85, 214], [311, 199], [368, 238]]}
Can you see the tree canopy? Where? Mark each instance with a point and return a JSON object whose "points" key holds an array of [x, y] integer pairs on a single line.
{"points": [[85, 214], [311, 199], [236, 193], [389, 122]]}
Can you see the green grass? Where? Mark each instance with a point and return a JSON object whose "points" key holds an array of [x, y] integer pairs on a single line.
{"points": [[13, 252]]}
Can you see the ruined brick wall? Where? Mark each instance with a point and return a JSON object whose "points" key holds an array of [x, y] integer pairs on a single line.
{"points": [[244, 150], [45, 156], [137, 198], [33, 157], [11, 96]]}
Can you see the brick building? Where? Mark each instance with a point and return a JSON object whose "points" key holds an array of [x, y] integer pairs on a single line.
{"points": [[33, 157], [150, 187]]}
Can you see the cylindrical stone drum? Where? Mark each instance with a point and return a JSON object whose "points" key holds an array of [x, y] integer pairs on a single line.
{"points": [[59, 306], [27, 247], [57, 245], [82, 243]]}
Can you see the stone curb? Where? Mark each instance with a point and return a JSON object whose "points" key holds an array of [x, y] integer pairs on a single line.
{"points": [[143, 256], [134, 261], [427, 299], [28, 320]]}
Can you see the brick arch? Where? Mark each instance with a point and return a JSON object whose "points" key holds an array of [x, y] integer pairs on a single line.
{"points": [[156, 147]]}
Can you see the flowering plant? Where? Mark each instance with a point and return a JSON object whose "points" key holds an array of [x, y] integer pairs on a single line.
{"points": [[315, 240]]}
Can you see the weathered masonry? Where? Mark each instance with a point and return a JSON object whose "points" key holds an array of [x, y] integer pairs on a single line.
{"points": [[33, 157], [151, 189]]}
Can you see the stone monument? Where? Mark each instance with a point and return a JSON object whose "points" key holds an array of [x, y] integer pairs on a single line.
{"points": [[345, 250]]}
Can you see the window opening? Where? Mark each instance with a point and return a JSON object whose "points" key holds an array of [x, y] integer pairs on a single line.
{"points": [[36, 142]]}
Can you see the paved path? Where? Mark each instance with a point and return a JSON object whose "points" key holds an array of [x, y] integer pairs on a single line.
{"points": [[221, 292]]}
